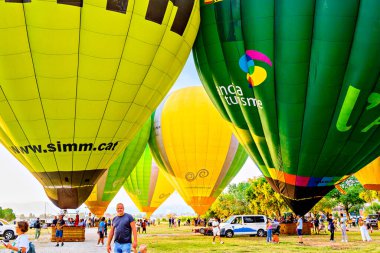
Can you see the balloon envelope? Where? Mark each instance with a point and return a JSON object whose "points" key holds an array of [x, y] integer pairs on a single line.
{"points": [[78, 80], [147, 185], [369, 176], [299, 81], [113, 179], [195, 146]]}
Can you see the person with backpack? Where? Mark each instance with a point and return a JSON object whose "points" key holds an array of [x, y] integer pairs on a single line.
{"points": [[21, 244]]}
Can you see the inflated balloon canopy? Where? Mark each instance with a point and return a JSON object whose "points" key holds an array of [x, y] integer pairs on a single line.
{"points": [[79, 78], [148, 185], [299, 82], [195, 146]]}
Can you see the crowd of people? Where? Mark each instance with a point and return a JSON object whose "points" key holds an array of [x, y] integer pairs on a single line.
{"points": [[123, 228]]}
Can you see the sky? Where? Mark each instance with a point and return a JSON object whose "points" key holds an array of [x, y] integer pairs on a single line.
{"points": [[18, 187]]}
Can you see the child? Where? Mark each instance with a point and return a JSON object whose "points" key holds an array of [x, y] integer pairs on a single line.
{"points": [[101, 229], [143, 249], [21, 244], [269, 231]]}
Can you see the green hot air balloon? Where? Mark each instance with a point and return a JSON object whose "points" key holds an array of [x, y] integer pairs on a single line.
{"points": [[148, 185], [299, 81], [79, 79], [113, 179]]}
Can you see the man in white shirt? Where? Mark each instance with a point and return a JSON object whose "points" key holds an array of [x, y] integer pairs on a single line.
{"points": [[343, 227], [216, 230]]}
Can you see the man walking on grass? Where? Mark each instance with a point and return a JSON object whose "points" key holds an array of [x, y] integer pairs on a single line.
{"points": [[123, 226]]}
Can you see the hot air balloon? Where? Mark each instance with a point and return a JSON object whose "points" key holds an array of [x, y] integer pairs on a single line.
{"points": [[369, 176], [113, 179], [195, 146], [299, 82], [78, 80], [147, 185]]}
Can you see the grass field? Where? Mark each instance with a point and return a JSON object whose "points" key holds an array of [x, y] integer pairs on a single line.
{"points": [[182, 240], [163, 239]]}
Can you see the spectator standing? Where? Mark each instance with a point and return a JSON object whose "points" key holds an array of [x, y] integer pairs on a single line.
{"points": [[138, 226], [364, 230], [123, 227], [331, 227], [89, 221], [60, 223], [316, 226], [343, 226], [37, 227], [101, 229], [143, 225], [269, 231], [299, 228]]}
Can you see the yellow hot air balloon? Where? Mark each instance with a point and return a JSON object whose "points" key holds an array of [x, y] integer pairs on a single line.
{"points": [[195, 146], [113, 179], [79, 78], [369, 176], [147, 185]]}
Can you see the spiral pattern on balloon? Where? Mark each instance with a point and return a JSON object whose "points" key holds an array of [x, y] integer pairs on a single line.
{"points": [[190, 176], [163, 195]]}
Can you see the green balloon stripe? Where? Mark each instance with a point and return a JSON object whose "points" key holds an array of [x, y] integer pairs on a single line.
{"points": [[126, 162], [339, 147], [334, 29]]}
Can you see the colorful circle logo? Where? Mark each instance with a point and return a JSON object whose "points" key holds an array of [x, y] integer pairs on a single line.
{"points": [[255, 74]]}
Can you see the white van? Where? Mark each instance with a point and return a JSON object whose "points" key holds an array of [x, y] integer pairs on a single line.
{"points": [[247, 224]]}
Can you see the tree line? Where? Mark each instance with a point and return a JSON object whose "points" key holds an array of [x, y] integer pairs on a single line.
{"points": [[7, 214], [257, 197]]}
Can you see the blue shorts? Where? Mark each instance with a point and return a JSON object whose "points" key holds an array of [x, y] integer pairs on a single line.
{"points": [[299, 232], [122, 248], [59, 233]]}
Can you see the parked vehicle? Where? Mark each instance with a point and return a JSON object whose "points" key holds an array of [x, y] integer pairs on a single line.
{"points": [[250, 224], [7, 231], [373, 220], [207, 230]]}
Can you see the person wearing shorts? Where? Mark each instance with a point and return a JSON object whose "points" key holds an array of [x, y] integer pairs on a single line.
{"points": [[101, 229], [59, 230], [299, 228], [216, 230]]}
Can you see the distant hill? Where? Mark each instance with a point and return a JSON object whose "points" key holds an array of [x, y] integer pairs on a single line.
{"points": [[36, 208]]}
